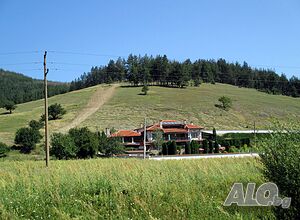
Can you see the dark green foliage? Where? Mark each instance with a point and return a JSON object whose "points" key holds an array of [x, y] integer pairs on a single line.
{"points": [[4, 149], [187, 148], [280, 156], [145, 89], [27, 138], [205, 146], [214, 136], [197, 82], [18, 88], [10, 106], [226, 103], [63, 146], [210, 147], [217, 149], [37, 125], [158, 139], [172, 148], [195, 147], [56, 111], [86, 142], [161, 71], [109, 146], [165, 149]]}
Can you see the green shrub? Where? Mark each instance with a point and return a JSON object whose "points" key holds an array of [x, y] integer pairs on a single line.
{"points": [[280, 156], [165, 149], [172, 148], [194, 147], [37, 125], [85, 141], [205, 146], [232, 149], [4, 149], [187, 148], [27, 138], [63, 146], [217, 149], [56, 111], [210, 147]]}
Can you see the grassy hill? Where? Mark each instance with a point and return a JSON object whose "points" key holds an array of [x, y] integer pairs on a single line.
{"points": [[126, 189], [127, 108], [73, 102]]}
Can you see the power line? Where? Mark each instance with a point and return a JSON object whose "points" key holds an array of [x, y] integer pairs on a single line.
{"points": [[15, 64], [85, 54], [21, 52]]}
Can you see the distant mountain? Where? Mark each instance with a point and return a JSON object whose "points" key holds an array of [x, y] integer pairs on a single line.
{"points": [[18, 88]]}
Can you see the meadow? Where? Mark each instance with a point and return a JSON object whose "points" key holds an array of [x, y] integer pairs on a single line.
{"points": [[127, 109], [126, 189]]}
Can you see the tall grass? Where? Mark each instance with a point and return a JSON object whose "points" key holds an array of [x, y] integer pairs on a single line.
{"points": [[125, 189]]}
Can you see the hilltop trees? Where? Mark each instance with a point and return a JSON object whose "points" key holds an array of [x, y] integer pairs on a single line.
{"points": [[161, 71]]}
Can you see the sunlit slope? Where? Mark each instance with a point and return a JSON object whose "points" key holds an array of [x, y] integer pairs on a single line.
{"points": [[128, 108], [73, 102]]}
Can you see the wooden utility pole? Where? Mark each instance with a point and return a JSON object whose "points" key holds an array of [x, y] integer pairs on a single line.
{"points": [[46, 111], [254, 135], [145, 135]]}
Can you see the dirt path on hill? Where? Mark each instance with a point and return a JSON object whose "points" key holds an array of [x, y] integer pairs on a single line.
{"points": [[101, 96]]}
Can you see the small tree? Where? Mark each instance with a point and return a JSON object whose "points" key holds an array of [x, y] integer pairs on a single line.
{"points": [[145, 89], [172, 148], [226, 103], [37, 125], [56, 111], [63, 146], [10, 106], [194, 147], [27, 138], [217, 149], [158, 139], [197, 82], [3, 150], [85, 141], [205, 146], [210, 147], [187, 148], [165, 149]]}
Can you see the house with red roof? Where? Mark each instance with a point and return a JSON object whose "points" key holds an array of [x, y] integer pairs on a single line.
{"points": [[172, 130]]}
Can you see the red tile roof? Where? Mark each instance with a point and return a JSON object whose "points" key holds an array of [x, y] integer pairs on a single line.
{"points": [[126, 133], [190, 126]]}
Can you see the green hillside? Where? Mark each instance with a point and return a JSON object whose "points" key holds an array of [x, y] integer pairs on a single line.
{"points": [[73, 102], [127, 109]]}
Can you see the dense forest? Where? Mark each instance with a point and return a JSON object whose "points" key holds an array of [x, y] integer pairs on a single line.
{"points": [[18, 88], [159, 70]]}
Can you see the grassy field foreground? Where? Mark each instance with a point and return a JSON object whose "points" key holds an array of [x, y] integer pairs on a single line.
{"points": [[126, 188]]}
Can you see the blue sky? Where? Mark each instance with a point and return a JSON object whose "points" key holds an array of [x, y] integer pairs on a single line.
{"points": [[263, 33]]}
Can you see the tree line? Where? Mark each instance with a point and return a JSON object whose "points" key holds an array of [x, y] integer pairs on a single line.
{"points": [[159, 70], [16, 88]]}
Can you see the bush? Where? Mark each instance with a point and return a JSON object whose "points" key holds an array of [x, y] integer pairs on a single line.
{"points": [[27, 138], [109, 146], [3, 150], [280, 156], [210, 147], [226, 103], [86, 142], [205, 146], [63, 146], [194, 147], [10, 106], [217, 149], [172, 148], [56, 111], [37, 125], [165, 149], [187, 149]]}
